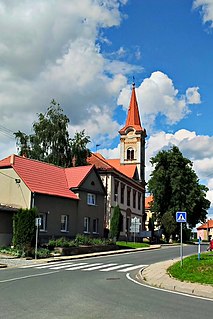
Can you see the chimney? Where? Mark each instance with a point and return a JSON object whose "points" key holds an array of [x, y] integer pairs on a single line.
{"points": [[12, 159]]}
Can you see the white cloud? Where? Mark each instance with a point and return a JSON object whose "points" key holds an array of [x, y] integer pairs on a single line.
{"points": [[49, 49], [193, 96], [206, 10], [157, 96]]}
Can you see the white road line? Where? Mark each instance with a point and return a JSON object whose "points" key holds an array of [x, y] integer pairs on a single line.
{"points": [[63, 266], [81, 267], [132, 268], [98, 267], [30, 276], [45, 264], [49, 265], [116, 267], [165, 290]]}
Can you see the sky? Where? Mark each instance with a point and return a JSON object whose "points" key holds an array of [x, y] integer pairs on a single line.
{"points": [[85, 54]]}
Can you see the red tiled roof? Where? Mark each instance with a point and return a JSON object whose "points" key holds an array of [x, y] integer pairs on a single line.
{"points": [[40, 177], [128, 170], [148, 201], [133, 117], [108, 164], [76, 175], [206, 225]]}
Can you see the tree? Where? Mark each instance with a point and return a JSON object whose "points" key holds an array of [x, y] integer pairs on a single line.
{"points": [[169, 224], [116, 223], [50, 141], [24, 230], [80, 152], [175, 187]]}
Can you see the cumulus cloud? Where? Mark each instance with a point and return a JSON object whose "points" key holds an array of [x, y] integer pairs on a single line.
{"points": [[157, 96], [51, 49], [206, 7]]}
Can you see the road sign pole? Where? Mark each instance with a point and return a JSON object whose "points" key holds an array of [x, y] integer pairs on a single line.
{"points": [[181, 244], [36, 243]]}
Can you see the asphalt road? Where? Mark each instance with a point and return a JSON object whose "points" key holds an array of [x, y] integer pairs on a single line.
{"points": [[80, 291]]}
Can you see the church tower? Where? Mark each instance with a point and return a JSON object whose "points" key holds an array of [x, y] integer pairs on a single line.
{"points": [[132, 140]]}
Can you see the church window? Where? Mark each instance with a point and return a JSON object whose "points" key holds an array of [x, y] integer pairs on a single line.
{"points": [[130, 154]]}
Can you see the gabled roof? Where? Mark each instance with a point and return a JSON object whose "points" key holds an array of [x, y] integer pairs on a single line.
{"points": [[206, 225], [128, 170], [46, 178], [133, 117], [109, 164], [76, 175], [148, 201]]}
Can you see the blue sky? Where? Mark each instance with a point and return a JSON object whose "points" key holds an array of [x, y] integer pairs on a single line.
{"points": [[85, 54]]}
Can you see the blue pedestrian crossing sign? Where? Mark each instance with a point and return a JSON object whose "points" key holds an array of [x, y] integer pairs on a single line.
{"points": [[181, 217]]}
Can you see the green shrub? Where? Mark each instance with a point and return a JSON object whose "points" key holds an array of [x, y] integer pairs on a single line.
{"points": [[24, 230], [43, 253], [82, 240], [11, 251]]}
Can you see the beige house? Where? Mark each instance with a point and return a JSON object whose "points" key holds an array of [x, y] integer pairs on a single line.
{"points": [[69, 200]]}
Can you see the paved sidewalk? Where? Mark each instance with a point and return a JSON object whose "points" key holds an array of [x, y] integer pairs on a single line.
{"points": [[156, 275]]}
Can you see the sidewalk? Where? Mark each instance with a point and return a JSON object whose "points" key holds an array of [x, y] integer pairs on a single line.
{"points": [[156, 275]]}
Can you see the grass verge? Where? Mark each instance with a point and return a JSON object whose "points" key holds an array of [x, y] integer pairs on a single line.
{"points": [[124, 244], [194, 270]]}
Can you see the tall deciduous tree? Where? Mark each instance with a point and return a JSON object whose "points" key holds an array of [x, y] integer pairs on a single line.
{"points": [[80, 152], [175, 187], [50, 141]]}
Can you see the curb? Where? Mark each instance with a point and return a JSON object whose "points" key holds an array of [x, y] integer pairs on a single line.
{"points": [[156, 276]]}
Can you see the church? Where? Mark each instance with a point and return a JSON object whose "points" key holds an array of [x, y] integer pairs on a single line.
{"points": [[124, 178]]}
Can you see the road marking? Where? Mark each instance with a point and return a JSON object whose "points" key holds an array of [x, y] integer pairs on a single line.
{"points": [[116, 267], [98, 267], [62, 266], [132, 268], [165, 290], [30, 276], [45, 265], [76, 267], [85, 266]]}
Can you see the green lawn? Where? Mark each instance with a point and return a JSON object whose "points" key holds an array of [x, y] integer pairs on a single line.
{"points": [[194, 270], [124, 244]]}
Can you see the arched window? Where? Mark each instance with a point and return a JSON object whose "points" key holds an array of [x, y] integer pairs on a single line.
{"points": [[130, 154]]}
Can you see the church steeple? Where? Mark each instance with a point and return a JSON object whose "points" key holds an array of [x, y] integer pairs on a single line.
{"points": [[132, 139], [133, 117]]}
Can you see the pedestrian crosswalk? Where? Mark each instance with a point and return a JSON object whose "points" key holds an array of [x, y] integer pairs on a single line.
{"points": [[84, 266]]}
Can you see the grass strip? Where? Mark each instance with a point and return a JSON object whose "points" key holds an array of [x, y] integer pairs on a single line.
{"points": [[124, 244], [194, 270]]}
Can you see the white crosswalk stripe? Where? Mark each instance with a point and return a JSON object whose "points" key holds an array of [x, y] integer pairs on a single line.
{"points": [[98, 267], [116, 267], [76, 267], [85, 266]]}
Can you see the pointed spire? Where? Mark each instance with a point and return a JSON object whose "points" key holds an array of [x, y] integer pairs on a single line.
{"points": [[133, 117]]}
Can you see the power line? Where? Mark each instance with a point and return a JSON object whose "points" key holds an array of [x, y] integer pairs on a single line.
{"points": [[7, 132]]}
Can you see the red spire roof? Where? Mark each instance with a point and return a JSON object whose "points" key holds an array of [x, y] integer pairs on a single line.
{"points": [[133, 117]]}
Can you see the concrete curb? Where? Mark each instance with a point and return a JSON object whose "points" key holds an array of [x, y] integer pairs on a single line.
{"points": [[156, 275]]}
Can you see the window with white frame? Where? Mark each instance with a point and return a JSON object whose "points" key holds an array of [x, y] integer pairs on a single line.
{"points": [[95, 226], [91, 199], [86, 224], [64, 223], [43, 225]]}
